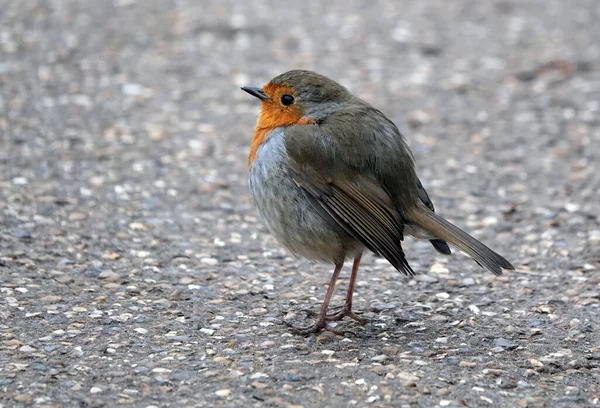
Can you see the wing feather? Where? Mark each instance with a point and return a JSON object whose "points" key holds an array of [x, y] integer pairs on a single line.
{"points": [[360, 207]]}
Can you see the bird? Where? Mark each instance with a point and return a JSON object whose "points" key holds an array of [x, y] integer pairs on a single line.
{"points": [[332, 177]]}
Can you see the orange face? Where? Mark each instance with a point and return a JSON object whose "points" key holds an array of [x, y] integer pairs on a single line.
{"points": [[276, 112]]}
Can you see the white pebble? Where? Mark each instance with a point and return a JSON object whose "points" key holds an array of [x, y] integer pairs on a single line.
{"points": [[438, 268], [19, 181], [209, 261], [132, 89], [474, 309], [572, 207], [223, 393], [488, 221], [142, 254]]}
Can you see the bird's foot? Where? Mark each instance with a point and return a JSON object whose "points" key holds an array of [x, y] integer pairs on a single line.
{"points": [[343, 312], [339, 315], [317, 326]]}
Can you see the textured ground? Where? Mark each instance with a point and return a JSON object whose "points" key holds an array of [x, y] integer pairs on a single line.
{"points": [[134, 269]]}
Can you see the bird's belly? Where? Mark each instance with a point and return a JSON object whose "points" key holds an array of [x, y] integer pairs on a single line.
{"points": [[289, 215]]}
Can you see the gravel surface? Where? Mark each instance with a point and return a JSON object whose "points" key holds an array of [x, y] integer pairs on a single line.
{"points": [[134, 269]]}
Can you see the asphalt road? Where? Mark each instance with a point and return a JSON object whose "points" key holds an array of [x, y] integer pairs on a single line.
{"points": [[134, 269]]}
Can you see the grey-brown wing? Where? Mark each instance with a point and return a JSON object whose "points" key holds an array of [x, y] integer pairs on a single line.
{"points": [[360, 207]]}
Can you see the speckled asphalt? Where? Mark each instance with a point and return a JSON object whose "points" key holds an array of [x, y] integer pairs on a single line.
{"points": [[134, 269]]}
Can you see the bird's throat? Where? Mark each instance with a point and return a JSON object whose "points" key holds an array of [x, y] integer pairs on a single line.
{"points": [[271, 118]]}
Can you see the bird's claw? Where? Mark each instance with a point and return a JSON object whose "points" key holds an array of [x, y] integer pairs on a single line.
{"points": [[339, 315], [343, 312], [316, 327]]}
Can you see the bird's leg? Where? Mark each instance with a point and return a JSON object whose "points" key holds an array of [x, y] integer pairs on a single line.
{"points": [[346, 310], [321, 322]]}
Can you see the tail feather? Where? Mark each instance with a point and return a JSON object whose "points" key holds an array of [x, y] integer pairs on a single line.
{"points": [[441, 246], [443, 229]]}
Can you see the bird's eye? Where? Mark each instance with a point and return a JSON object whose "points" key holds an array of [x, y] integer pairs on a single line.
{"points": [[287, 100]]}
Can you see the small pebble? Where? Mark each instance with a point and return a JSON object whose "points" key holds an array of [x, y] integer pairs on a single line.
{"points": [[21, 235], [406, 377], [223, 393], [259, 311], [383, 306], [504, 343], [572, 207], [267, 344], [379, 358], [426, 278], [535, 363], [439, 269], [108, 275], [51, 347], [209, 261]]}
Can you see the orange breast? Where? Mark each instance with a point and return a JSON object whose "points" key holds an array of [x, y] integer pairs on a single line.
{"points": [[273, 115], [260, 135]]}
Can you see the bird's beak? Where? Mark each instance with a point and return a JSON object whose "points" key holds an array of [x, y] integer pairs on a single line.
{"points": [[255, 91]]}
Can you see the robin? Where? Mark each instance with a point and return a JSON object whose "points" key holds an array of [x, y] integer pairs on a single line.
{"points": [[332, 176]]}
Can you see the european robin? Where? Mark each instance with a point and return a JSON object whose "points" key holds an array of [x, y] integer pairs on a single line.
{"points": [[332, 176]]}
